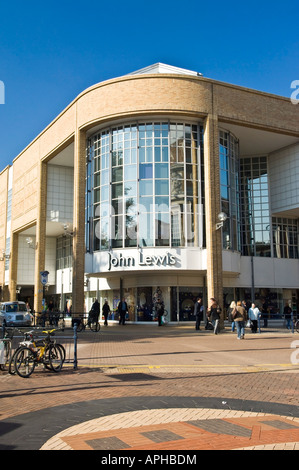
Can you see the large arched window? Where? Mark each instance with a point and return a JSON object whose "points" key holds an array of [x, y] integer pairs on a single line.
{"points": [[144, 186]]}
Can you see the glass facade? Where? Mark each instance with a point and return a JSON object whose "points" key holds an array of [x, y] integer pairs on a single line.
{"points": [[255, 207], [285, 237], [144, 186], [229, 189], [64, 252]]}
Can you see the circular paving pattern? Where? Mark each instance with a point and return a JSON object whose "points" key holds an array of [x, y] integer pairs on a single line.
{"points": [[154, 424], [180, 429]]}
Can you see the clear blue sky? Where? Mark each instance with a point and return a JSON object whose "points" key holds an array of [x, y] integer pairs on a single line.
{"points": [[51, 51]]}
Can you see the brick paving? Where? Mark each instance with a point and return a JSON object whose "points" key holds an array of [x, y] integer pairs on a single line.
{"points": [[171, 388]]}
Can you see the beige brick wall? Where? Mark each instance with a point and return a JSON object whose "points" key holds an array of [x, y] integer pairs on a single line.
{"points": [[3, 216], [25, 179]]}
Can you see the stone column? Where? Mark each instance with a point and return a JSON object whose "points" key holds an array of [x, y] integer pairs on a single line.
{"points": [[13, 266], [213, 207], [4, 288], [40, 246], [79, 222]]}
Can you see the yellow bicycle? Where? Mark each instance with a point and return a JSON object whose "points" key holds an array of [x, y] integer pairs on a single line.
{"points": [[44, 351]]}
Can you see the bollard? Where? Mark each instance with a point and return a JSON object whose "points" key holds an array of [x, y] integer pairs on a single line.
{"points": [[292, 321], [75, 346]]}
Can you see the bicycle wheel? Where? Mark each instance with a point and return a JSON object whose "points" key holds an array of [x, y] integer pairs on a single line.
{"points": [[94, 325], [297, 326], [63, 353], [55, 356], [80, 326], [11, 365], [24, 362]]}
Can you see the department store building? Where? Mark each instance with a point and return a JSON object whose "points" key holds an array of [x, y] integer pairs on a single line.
{"points": [[157, 184]]}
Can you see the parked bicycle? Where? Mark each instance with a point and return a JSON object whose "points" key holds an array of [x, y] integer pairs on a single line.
{"points": [[92, 323], [55, 319], [28, 341], [296, 326], [44, 351]]}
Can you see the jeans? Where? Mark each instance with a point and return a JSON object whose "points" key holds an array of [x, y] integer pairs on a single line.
{"points": [[216, 326], [254, 326], [240, 328]]}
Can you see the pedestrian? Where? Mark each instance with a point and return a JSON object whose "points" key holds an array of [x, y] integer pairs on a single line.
{"points": [[51, 312], [213, 313], [230, 312], [198, 312], [254, 314], [240, 319], [95, 311], [159, 307], [122, 310], [287, 311], [106, 311], [265, 312]]}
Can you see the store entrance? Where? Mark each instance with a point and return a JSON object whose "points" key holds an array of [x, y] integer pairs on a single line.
{"points": [[187, 299], [178, 302]]}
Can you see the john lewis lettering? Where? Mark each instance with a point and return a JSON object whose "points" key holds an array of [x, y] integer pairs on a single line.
{"points": [[120, 261]]}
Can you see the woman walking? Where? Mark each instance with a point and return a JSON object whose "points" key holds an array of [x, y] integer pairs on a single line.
{"points": [[230, 312], [213, 312], [240, 319]]}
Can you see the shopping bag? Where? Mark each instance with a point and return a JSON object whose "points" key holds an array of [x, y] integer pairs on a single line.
{"points": [[2, 353]]}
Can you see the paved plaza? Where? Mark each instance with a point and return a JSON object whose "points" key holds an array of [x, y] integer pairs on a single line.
{"points": [[170, 388]]}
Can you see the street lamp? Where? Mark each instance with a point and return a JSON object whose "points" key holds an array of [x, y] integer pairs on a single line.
{"points": [[67, 231], [29, 241], [222, 217], [4, 255]]}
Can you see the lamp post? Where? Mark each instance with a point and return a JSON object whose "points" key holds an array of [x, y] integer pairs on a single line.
{"points": [[222, 218]]}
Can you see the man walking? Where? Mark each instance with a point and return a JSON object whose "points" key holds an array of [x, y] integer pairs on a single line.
{"points": [[198, 312], [122, 310], [95, 311], [106, 311]]}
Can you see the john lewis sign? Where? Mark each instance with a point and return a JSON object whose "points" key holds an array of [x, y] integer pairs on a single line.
{"points": [[146, 260], [140, 259]]}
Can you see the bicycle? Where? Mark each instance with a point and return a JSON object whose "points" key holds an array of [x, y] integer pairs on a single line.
{"points": [[296, 326], [6, 347], [55, 319], [44, 351], [92, 322], [27, 342]]}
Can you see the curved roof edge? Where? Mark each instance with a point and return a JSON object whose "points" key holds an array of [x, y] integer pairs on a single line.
{"points": [[164, 68]]}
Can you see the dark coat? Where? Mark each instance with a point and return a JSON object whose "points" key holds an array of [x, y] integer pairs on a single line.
{"points": [[198, 310]]}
